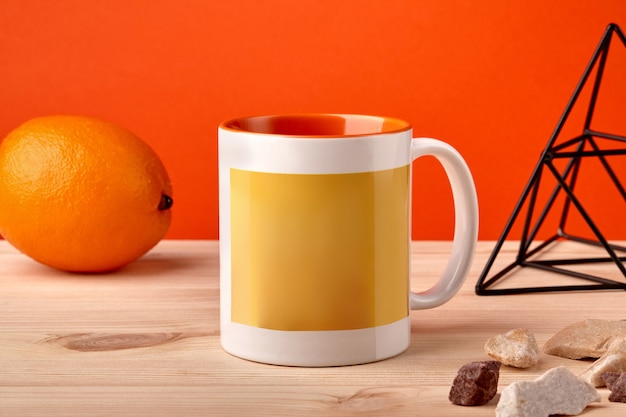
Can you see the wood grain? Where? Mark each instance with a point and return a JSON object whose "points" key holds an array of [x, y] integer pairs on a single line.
{"points": [[145, 341]]}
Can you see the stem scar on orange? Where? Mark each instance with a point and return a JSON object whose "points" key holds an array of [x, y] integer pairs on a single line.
{"points": [[81, 194]]}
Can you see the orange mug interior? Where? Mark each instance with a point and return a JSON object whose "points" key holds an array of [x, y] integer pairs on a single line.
{"points": [[317, 125]]}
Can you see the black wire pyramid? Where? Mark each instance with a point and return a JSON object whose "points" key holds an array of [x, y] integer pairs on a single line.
{"points": [[570, 152]]}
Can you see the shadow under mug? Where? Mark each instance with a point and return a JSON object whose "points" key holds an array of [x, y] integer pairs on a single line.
{"points": [[315, 218]]}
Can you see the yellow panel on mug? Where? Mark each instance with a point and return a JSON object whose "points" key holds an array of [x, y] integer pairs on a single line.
{"points": [[319, 252]]}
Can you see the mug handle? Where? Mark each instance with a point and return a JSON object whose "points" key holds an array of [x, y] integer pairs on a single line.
{"points": [[466, 222]]}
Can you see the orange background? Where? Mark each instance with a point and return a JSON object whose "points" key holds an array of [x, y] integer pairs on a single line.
{"points": [[490, 77]]}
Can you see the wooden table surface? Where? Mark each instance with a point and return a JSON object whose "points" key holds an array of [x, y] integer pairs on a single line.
{"points": [[145, 342]]}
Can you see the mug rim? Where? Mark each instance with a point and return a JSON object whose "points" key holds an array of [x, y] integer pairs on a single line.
{"points": [[295, 125]]}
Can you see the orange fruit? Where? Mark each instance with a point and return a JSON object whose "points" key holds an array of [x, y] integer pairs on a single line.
{"points": [[81, 194]]}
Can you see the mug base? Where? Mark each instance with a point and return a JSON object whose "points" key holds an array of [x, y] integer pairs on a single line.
{"points": [[316, 348]]}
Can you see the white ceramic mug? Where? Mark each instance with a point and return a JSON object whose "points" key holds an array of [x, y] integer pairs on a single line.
{"points": [[315, 222]]}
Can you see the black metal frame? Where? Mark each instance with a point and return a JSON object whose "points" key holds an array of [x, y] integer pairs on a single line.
{"points": [[585, 145]]}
